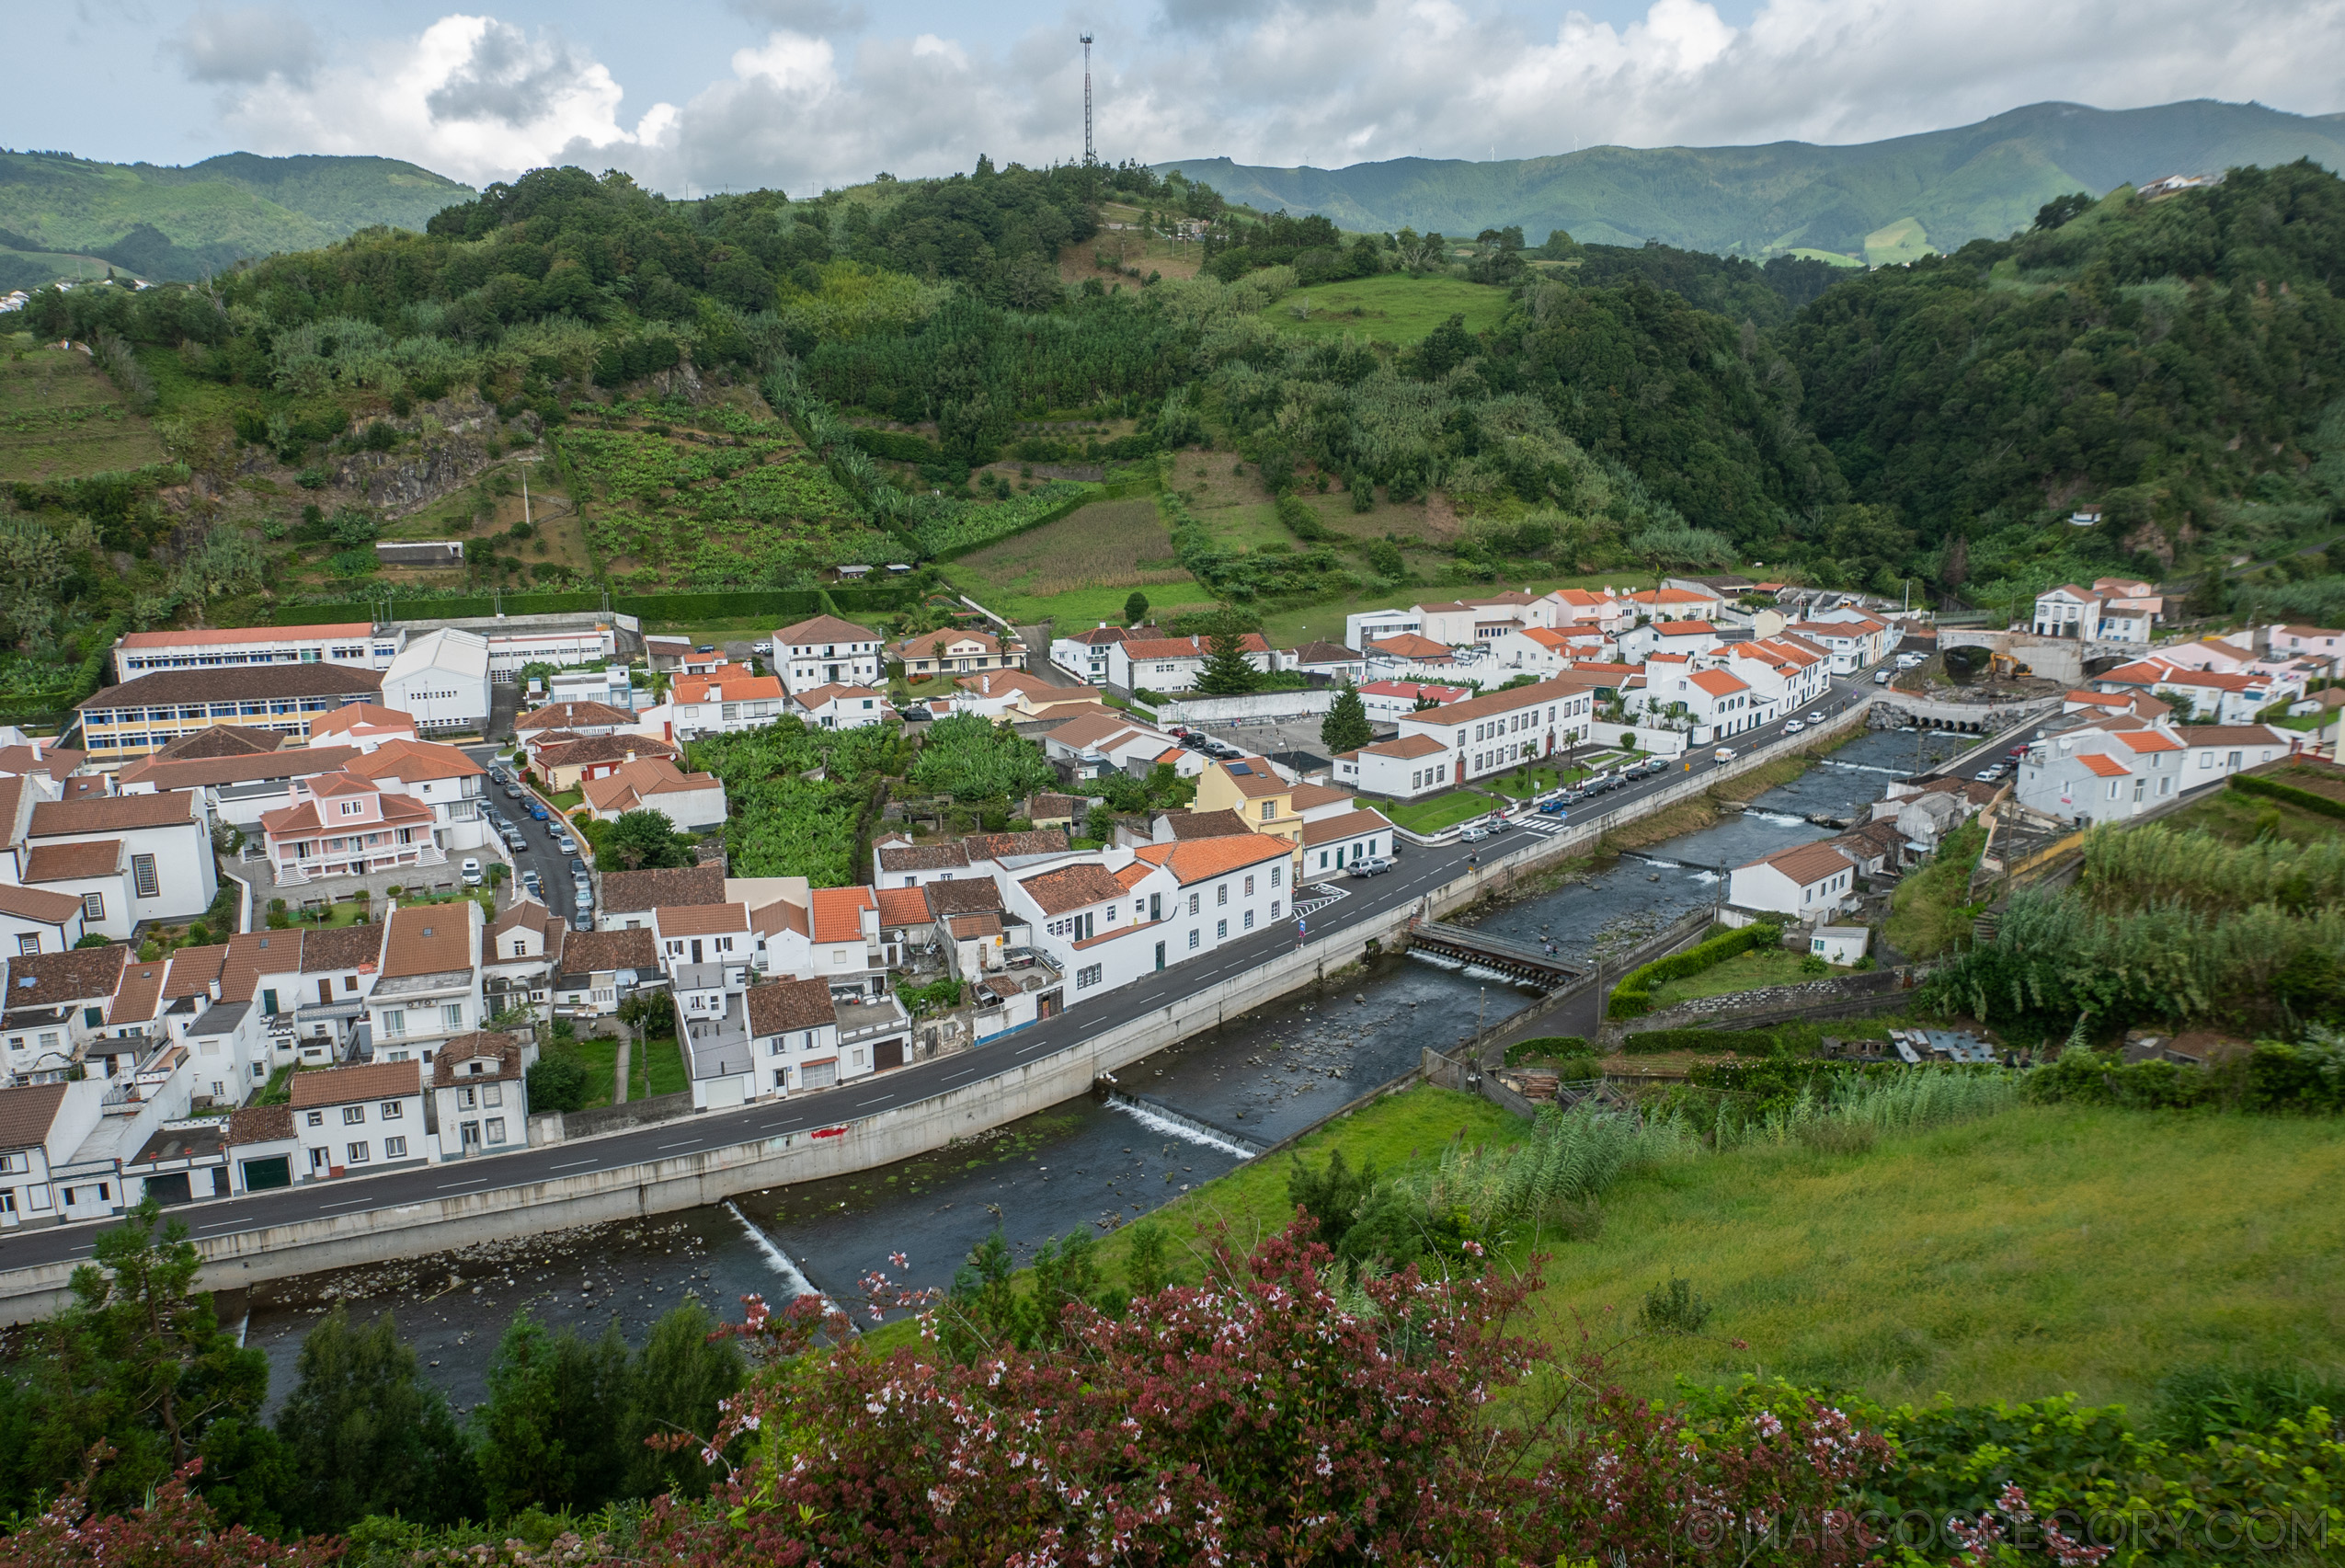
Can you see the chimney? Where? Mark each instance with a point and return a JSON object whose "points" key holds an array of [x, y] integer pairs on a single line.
{"points": [[39, 749], [211, 988]]}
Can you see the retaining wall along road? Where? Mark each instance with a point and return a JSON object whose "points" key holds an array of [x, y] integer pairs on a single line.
{"points": [[855, 1143]]}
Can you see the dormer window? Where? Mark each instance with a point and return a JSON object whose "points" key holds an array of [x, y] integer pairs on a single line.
{"points": [[352, 808]]}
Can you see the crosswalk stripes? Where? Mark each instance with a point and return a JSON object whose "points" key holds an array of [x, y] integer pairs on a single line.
{"points": [[1311, 898]]}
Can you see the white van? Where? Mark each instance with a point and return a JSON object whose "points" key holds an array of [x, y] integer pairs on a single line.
{"points": [[1723, 754]]}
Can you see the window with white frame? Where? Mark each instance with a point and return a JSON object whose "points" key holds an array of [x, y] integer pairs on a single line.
{"points": [[1087, 977], [356, 1154], [1221, 892], [395, 1148], [389, 1110], [1196, 938], [354, 1116], [1220, 931]]}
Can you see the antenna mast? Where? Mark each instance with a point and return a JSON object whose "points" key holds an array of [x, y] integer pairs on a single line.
{"points": [[1089, 155]]}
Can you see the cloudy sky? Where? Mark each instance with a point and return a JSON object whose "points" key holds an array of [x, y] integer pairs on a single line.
{"points": [[807, 93]]}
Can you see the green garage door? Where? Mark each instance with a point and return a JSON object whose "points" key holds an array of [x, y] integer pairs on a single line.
{"points": [[261, 1176]]}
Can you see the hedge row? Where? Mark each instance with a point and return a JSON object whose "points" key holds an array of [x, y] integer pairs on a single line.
{"points": [[1741, 1042], [899, 446], [780, 605], [1633, 998], [2271, 789]]}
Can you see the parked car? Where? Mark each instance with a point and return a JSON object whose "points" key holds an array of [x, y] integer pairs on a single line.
{"points": [[1880, 678], [1374, 865], [471, 869], [764, 645], [582, 920], [1792, 727], [1475, 833], [497, 776], [515, 792], [1196, 742], [535, 883], [1572, 797], [1990, 775], [914, 715], [1552, 808], [705, 648], [537, 812], [566, 844], [577, 866]]}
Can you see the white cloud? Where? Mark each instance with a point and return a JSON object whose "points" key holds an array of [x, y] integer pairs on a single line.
{"points": [[245, 46], [471, 96], [1328, 82]]}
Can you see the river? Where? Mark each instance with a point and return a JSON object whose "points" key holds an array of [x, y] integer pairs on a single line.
{"points": [[1082, 1164]]}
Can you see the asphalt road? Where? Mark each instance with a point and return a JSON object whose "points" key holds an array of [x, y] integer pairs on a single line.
{"points": [[1420, 870], [538, 852]]}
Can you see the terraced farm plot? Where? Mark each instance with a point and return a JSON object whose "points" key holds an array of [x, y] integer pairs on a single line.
{"points": [[1083, 566], [61, 419], [710, 513]]}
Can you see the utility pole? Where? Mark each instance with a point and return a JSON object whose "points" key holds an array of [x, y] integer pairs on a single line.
{"points": [[1091, 154], [524, 465]]}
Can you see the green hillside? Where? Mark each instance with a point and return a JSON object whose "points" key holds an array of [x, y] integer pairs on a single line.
{"points": [[1984, 181], [180, 224]]}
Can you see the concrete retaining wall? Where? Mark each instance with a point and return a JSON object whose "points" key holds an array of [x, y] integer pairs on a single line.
{"points": [[692, 1180], [1254, 706]]}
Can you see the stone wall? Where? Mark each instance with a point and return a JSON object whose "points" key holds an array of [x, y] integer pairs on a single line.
{"points": [[1834, 996]]}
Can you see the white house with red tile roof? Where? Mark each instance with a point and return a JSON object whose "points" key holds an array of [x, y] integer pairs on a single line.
{"points": [[1569, 608], [694, 802], [1683, 638], [353, 643], [441, 777], [1807, 882], [2323, 644], [1387, 700], [956, 652], [2107, 771], [828, 651], [725, 701], [2210, 695], [1549, 651], [1674, 604], [1719, 701], [1173, 664], [841, 707]]}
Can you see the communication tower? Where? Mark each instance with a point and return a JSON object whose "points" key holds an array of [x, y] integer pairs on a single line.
{"points": [[1089, 155]]}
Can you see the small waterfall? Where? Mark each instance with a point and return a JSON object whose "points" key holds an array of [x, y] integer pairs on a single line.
{"points": [[1862, 768], [778, 1261], [1781, 819], [1439, 960], [1173, 1124]]}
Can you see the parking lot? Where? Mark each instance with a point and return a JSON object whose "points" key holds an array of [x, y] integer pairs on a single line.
{"points": [[1292, 743]]}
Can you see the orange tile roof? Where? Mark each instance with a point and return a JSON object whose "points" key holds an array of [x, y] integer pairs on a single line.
{"points": [[1807, 864], [427, 939], [1408, 645], [2108, 767], [823, 629], [1351, 825], [1508, 702], [1717, 682], [2148, 741], [350, 716], [1072, 887], [1195, 860], [212, 636], [838, 912], [902, 906], [1406, 747], [341, 1085], [1135, 874], [730, 684], [408, 760], [701, 920], [1685, 628]]}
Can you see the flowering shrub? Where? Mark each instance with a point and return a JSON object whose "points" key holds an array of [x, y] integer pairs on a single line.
{"points": [[1254, 1419]]}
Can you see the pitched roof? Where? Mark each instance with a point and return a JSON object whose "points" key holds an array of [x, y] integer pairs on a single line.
{"points": [[967, 928], [1090, 727], [629, 892], [341, 1085], [427, 939], [181, 773], [1194, 860], [1685, 628], [2228, 735], [901, 906], [838, 912], [924, 857], [701, 920], [354, 716], [823, 629], [1322, 653], [1205, 824], [326, 949], [784, 1005], [73, 863], [1251, 777], [1717, 682], [55, 761], [1071, 887], [225, 741], [601, 952], [502, 1051], [1351, 825], [215, 636], [26, 1113], [1498, 703], [37, 904], [647, 778], [1001, 846], [235, 682], [929, 645], [1307, 795], [1405, 747], [573, 716], [1807, 864], [961, 895], [2108, 767], [823, 696], [51, 979], [1408, 645], [728, 685], [259, 1123], [408, 760], [591, 748], [112, 814], [2146, 740]]}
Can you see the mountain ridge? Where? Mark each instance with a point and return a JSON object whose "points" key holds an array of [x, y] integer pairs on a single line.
{"points": [[1985, 179], [181, 222]]}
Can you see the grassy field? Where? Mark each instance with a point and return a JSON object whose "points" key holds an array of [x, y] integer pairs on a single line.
{"points": [[1893, 243], [600, 1056], [1441, 811], [2046, 1251], [1080, 568], [2242, 819], [1834, 256], [656, 1068], [61, 419], [1745, 971], [1390, 308]]}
